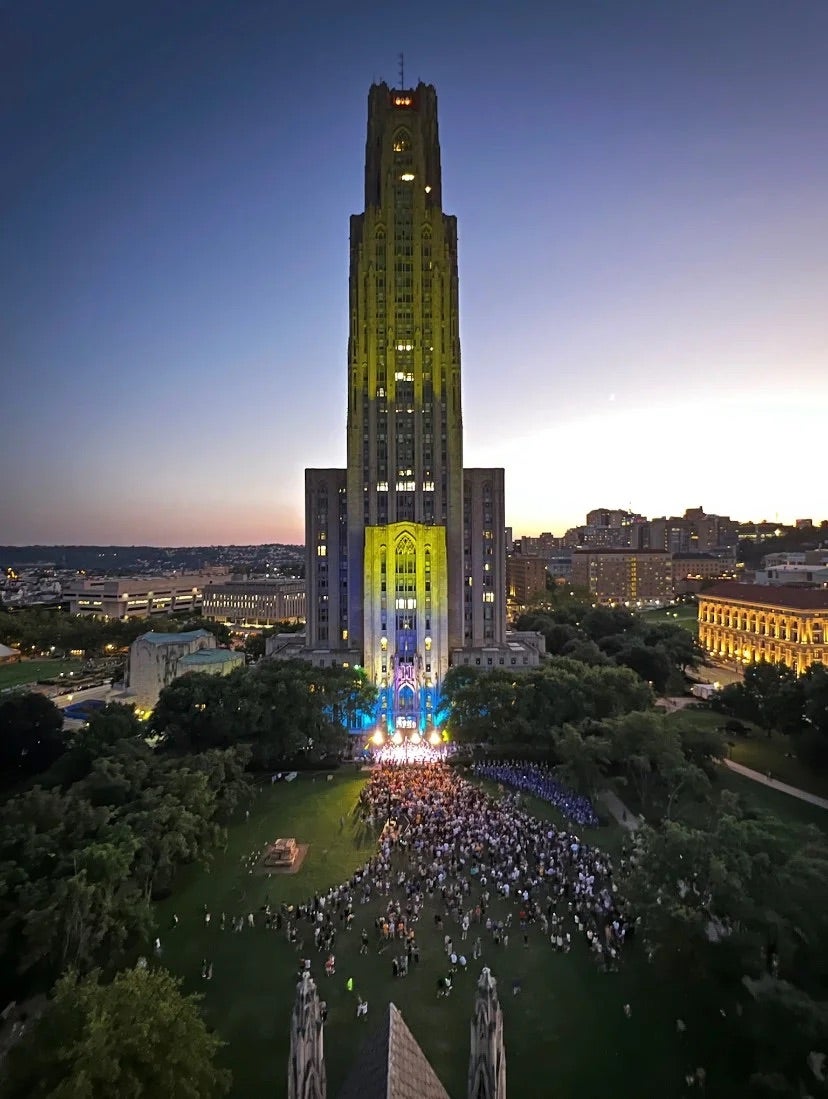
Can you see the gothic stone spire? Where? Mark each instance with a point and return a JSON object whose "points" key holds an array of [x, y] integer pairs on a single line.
{"points": [[306, 1068], [487, 1059]]}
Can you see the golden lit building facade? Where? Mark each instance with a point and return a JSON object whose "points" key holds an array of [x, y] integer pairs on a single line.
{"points": [[405, 548], [743, 623]]}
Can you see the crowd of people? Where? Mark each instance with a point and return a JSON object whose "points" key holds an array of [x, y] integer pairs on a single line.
{"points": [[445, 844], [408, 753], [538, 780]]}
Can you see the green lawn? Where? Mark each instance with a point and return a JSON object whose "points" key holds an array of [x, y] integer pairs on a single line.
{"points": [[760, 752], [774, 801], [769, 754], [30, 671], [569, 1015], [681, 614]]}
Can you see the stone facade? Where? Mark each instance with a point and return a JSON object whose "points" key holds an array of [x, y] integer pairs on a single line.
{"points": [[307, 1077], [405, 548], [156, 659], [487, 1054], [742, 623]]}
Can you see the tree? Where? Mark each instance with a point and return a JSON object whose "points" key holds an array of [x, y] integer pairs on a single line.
{"points": [[601, 622], [650, 662], [701, 746], [769, 695], [31, 736], [681, 648], [647, 750], [106, 727], [584, 760], [138, 1037]]}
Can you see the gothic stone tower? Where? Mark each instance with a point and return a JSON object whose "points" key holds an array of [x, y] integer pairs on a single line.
{"points": [[306, 1066], [487, 1056], [405, 548]]}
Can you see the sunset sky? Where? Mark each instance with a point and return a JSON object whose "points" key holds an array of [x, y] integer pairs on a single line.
{"points": [[642, 197]]}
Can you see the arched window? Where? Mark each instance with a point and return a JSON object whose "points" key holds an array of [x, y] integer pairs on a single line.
{"points": [[402, 143]]}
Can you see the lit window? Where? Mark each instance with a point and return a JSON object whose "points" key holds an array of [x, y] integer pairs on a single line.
{"points": [[407, 177]]}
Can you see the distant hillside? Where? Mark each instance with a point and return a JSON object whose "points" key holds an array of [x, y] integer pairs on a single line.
{"points": [[146, 559]]}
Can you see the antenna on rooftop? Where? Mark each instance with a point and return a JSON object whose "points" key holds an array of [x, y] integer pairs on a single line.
{"points": [[402, 71]]}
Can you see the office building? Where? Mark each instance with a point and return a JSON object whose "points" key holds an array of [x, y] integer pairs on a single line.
{"points": [[138, 596], [252, 604]]}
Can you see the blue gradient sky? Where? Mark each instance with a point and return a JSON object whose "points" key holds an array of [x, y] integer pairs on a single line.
{"points": [[642, 195]]}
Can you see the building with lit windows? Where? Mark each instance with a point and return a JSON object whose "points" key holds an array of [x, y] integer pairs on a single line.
{"points": [[138, 596], [691, 571], [248, 604], [405, 548], [525, 580], [742, 623], [642, 577]]}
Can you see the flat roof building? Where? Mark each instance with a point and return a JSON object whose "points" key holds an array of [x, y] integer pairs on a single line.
{"points": [[631, 577], [255, 603], [138, 596]]}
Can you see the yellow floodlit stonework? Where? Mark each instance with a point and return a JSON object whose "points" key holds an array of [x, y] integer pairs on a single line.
{"points": [[743, 623]]}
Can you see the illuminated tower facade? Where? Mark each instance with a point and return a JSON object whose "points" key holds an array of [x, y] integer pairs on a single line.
{"points": [[405, 548]]}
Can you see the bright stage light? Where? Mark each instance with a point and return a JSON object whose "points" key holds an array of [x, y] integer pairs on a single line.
{"points": [[434, 738], [378, 738], [415, 738], [398, 737]]}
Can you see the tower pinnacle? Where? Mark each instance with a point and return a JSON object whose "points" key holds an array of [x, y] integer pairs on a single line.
{"points": [[306, 1067], [487, 1057]]}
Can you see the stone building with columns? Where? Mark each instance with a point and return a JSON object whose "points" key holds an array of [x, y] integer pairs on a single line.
{"points": [[743, 623]]}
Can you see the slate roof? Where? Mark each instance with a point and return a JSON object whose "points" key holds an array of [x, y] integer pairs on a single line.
{"points": [[783, 596], [170, 638], [391, 1065], [211, 656]]}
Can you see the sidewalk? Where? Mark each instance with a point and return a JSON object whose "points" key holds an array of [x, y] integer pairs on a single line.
{"points": [[619, 810], [783, 787]]}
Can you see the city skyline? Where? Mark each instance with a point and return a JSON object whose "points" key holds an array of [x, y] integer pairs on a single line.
{"points": [[640, 197]]}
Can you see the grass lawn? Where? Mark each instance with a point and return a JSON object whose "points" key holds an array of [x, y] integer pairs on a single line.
{"points": [[29, 671], [681, 614], [774, 801], [760, 752], [569, 1016]]}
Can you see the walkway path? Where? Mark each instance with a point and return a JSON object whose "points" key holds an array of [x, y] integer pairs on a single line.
{"points": [[783, 787], [619, 810]]}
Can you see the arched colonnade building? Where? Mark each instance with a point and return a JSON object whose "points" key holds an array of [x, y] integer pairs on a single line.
{"points": [[743, 623]]}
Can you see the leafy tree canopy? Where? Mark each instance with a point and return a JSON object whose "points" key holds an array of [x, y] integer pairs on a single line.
{"points": [[138, 1038]]}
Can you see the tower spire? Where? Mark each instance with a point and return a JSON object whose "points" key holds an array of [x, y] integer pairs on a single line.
{"points": [[306, 1067], [487, 1056]]}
